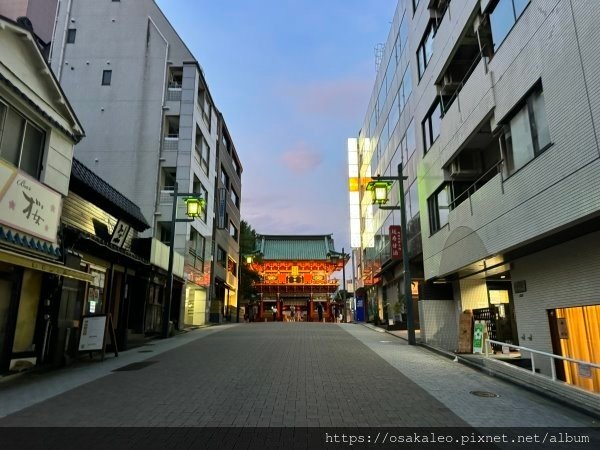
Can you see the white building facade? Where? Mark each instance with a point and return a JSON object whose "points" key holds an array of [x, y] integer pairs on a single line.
{"points": [[505, 105]]}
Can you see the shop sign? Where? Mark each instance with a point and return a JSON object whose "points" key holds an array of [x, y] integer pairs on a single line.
{"points": [[396, 241], [119, 233], [27, 205], [478, 336]]}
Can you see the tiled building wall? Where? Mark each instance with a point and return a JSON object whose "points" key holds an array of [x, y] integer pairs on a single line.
{"points": [[554, 189], [560, 277]]}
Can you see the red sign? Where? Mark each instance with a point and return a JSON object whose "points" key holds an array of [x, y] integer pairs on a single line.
{"points": [[396, 241]]}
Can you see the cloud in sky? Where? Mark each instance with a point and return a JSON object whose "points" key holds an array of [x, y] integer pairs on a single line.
{"points": [[341, 99], [300, 158]]}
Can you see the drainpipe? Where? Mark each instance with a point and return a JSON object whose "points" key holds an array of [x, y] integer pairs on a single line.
{"points": [[63, 42]]}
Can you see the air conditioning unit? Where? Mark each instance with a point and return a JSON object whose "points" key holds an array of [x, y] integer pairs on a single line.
{"points": [[466, 165]]}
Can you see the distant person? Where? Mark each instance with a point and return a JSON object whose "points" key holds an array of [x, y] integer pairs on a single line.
{"points": [[274, 314], [293, 313], [320, 311]]}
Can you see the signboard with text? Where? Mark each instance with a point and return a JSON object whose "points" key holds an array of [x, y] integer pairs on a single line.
{"points": [[396, 241], [119, 233], [27, 205], [92, 333]]}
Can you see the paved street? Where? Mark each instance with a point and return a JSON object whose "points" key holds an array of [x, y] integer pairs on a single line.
{"points": [[278, 375]]}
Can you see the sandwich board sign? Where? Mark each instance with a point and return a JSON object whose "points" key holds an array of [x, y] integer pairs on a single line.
{"points": [[93, 334], [478, 336]]}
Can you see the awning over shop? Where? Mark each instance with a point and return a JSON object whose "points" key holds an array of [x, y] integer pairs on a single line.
{"points": [[43, 266]]}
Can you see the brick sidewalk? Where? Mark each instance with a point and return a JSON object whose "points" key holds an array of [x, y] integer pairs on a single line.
{"points": [[291, 374]]}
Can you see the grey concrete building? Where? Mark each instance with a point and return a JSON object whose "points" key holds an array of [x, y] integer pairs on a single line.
{"points": [[151, 122], [505, 102]]}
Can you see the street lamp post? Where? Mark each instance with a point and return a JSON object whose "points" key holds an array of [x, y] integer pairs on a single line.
{"points": [[194, 206], [379, 186]]}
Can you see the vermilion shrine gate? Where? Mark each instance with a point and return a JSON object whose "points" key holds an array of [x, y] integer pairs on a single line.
{"points": [[295, 273]]}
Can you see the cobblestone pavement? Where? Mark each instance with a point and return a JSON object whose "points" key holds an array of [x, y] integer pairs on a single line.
{"points": [[283, 375]]}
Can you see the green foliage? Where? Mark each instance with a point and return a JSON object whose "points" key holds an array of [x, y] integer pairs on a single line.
{"points": [[247, 276]]}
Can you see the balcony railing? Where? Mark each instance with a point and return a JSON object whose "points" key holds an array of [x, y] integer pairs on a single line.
{"points": [[174, 94], [457, 88], [166, 194], [477, 184], [171, 142]]}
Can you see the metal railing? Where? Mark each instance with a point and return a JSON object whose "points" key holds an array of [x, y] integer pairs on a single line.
{"points": [[461, 84], [477, 184], [174, 94], [538, 352]]}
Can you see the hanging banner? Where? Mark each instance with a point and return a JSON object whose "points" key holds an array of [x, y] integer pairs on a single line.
{"points": [[396, 241], [27, 205], [221, 199]]}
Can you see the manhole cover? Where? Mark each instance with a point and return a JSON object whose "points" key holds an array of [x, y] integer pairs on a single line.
{"points": [[135, 366], [145, 351], [484, 394]]}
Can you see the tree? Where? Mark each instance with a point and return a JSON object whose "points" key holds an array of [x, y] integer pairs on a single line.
{"points": [[247, 276]]}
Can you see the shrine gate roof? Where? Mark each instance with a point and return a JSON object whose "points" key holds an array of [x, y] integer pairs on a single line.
{"points": [[294, 247]]}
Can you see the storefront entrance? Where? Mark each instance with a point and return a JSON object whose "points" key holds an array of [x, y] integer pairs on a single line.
{"points": [[575, 334]]}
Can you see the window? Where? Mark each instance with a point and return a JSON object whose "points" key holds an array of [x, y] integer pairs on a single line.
{"points": [[169, 177], [415, 5], [236, 166], [407, 84], [390, 72], [21, 142], [425, 48], [204, 104], [526, 135], [197, 243], [233, 231], [235, 198], [431, 125], [503, 17], [438, 206], [198, 188], [224, 177], [221, 256], [411, 140], [231, 266], [163, 232], [71, 35], [202, 151], [106, 77], [394, 114], [404, 32], [413, 202]]}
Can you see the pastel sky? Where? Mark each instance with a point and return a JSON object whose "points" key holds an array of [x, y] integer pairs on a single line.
{"points": [[293, 79]]}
